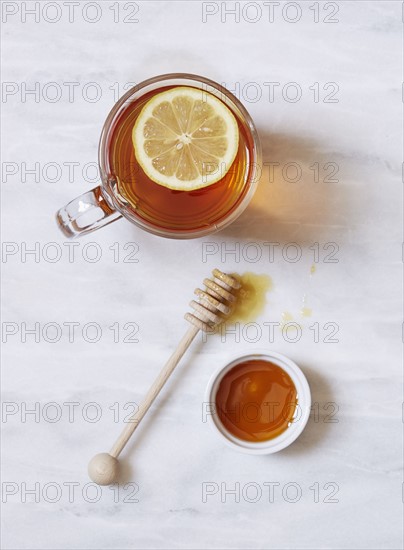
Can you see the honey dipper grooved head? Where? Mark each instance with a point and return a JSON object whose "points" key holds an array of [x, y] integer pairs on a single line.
{"points": [[215, 301], [228, 279]]}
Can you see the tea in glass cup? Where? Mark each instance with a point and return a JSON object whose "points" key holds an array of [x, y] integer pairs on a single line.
{"points": [[179, 157]]}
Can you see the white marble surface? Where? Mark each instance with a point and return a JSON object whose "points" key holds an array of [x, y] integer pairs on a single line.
{"points": [[175, 453]]}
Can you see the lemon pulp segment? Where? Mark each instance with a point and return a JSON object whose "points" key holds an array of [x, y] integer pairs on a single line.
{"points": [[185, 138]]}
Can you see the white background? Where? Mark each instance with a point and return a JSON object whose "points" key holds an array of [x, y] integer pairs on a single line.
{"points": [[175, 453]]}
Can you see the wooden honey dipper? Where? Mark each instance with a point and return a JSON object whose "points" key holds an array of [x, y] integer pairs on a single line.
{"points": [[215, 301]]}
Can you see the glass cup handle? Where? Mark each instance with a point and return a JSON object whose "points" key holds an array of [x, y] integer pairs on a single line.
{"points": [[85, 214]]}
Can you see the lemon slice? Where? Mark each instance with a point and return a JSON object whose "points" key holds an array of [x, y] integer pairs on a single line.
{"points": [[185, 139]]}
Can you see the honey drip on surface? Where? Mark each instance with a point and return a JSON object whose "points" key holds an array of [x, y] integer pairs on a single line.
{"points": [[286, 318], [251, 297], [256, 400]]}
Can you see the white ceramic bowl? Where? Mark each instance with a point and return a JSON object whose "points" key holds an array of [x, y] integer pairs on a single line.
{"points": [[302, 410]]}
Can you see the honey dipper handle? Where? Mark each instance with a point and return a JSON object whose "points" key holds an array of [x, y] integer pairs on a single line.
{"points": [[154, 390]]}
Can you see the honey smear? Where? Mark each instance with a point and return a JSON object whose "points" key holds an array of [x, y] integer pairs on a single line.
{"points": [[250, 298]]}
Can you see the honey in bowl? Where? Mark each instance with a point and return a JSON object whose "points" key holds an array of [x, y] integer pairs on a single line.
{"points": [[256, 400]]}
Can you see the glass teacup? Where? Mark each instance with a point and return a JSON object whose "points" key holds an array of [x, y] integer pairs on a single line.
{"points": [[126, 191]]}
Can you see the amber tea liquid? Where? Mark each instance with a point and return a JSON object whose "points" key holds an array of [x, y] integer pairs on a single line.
{"points": [[163, 208], [256, 400]]}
